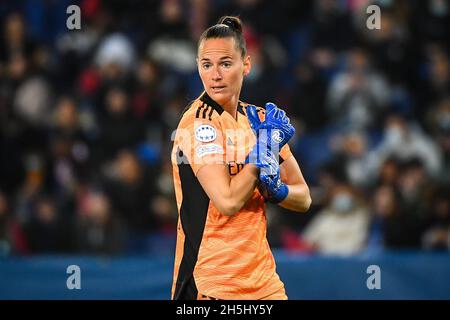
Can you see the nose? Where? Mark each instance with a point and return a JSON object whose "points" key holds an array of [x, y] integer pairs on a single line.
{"points": [[216, 74]]}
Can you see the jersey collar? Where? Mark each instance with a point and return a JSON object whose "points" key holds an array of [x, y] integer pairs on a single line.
{"points": [[209, 101]]}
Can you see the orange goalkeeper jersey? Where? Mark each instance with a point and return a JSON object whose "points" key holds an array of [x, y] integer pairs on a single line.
{"points": [[224, 257]]}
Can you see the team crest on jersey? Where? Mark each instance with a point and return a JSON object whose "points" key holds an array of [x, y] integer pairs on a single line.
{"points": [[277, 136], [205, 133]]}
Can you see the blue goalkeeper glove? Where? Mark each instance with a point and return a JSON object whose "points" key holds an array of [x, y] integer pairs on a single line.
{"points": [[276, 125], [272, 134], [270, 185]]}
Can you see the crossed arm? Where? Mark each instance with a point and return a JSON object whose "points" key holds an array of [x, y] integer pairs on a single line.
{"points": [[229, 195], [298, 198]]}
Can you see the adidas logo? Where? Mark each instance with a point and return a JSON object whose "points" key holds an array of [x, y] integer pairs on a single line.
{"points": [[230, 142]]}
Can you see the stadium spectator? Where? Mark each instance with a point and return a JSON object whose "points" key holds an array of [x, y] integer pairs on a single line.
{"points": [[72, 100], [12, 237], [392, 227], [341, 227], [437, 233], [98, 228]]}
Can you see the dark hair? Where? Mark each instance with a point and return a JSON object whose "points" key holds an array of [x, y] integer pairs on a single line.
{"points": [[227, 27]]}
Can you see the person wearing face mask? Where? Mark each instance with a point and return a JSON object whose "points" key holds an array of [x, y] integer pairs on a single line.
{"points": [[405, 141], [341, 227]]}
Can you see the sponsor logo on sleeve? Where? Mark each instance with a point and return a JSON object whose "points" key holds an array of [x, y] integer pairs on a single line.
{"points": [[210, 148]]}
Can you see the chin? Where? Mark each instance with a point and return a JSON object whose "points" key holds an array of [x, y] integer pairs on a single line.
{"points": [[219, 97]]}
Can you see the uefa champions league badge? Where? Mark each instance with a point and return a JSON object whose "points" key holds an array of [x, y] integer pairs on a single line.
{"points": [[205, 133]]}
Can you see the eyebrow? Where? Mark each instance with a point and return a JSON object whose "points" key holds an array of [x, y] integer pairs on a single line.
{"points": [[222, 58]]}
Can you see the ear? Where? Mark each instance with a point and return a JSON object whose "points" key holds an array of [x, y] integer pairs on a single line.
{"points": [[247, 65]]}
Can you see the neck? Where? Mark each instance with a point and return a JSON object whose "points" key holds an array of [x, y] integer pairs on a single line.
{"points": [[231, 108], [231, 105]]}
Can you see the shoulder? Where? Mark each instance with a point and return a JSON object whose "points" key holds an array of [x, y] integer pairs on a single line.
{"points": [[202, 110], [202, 120], [242, 108]]}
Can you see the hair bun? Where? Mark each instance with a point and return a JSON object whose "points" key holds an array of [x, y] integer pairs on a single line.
{"points": [[233, 22]]}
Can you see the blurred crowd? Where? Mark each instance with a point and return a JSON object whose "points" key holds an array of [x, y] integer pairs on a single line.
{"points": [[86, 119]]}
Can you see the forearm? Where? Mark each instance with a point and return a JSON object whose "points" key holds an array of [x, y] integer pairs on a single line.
{"points": [[298, 198], [228, 194], [242, 186]]}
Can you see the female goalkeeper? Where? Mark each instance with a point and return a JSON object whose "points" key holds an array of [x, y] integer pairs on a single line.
{"points": [[229, 158]]}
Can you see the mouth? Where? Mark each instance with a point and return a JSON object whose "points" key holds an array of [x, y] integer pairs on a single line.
{"points": [[217, 89]]}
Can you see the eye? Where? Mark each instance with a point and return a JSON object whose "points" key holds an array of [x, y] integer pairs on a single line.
{"points": [[227, 64], [206, 65]]}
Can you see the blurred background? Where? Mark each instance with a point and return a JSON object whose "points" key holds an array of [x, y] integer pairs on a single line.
{"points": [[86, 118]]}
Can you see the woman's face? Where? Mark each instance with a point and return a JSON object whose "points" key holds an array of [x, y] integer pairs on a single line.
{"points": [[222, 69]]}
